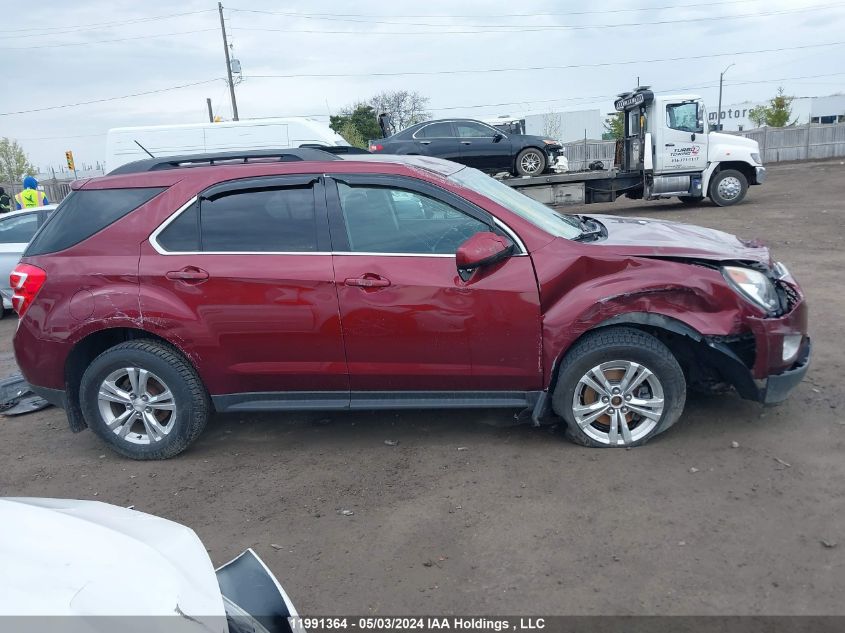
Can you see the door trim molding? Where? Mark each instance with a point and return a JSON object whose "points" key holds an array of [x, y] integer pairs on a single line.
{"points": [[372, 400]]}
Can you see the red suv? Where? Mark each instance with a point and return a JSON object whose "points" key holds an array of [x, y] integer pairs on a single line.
{"points": [[176, 287]]}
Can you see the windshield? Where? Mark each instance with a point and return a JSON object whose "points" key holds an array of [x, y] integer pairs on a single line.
{"points": [[535, 212]]}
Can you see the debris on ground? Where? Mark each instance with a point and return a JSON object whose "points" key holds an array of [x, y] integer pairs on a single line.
{"points": [[463, 448], [17, 398], [734, 444], [829, 544], [346, 513], [274, 546], [693, 469], [391, 442], [782, 463]]}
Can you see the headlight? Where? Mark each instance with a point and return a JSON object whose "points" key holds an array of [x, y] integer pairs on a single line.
{"points": [[550, 142], [753, 285], [756, 158]]}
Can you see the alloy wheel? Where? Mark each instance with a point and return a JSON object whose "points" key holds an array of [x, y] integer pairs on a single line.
{"points": [[530, 162], [137, 405], [618, 403]]}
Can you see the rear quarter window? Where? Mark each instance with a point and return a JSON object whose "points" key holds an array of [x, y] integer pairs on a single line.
{"points": [[84, 213]]}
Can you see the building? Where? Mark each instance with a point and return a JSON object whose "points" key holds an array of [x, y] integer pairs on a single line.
{"points": [[830, 109]]}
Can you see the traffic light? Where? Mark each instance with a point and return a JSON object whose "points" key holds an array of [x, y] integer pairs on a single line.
{"points": [[69, 158]]}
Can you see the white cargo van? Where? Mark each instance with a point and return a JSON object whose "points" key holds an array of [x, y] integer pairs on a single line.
{"points": [[124, 144]]}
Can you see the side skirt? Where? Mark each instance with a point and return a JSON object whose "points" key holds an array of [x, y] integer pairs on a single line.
{"points": [[370, 400]]}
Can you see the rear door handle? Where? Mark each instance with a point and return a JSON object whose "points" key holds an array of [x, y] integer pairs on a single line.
{"points": [[466, 142], [188, 273], [670, 145], [368, 281], [425, 142]]}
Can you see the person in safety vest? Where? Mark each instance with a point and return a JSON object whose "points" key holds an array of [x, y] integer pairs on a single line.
{"points": [[30, 196]]}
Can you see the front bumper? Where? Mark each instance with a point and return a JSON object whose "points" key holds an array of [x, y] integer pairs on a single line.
{"points": [[777, 387], [760, 175]]}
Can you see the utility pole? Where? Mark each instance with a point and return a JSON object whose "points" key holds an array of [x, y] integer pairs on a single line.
{"points": [[719, 113], [210, 112], [228, 63]]}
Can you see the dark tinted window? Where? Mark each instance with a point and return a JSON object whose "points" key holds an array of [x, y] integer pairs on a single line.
{"points": [[388, 220], [474, 130], [436, 130], [265, 220], [84, 213], [183, 233], [18, 229]]}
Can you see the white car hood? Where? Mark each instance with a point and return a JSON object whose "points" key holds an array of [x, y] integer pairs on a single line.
{"points": [[85, 558]]}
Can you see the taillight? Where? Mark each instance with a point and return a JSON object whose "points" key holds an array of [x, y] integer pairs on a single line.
{"points": [[26, 280], [375, 147]]}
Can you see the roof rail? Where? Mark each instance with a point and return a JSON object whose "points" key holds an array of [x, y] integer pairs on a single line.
{"points": [[198, 160]]}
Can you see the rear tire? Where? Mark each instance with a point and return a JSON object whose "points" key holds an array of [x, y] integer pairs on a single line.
{"points": [[144, 399], [530, 162], [728, 187], [618, 387]]}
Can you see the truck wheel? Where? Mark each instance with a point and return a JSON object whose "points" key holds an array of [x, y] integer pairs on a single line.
{"points": [[728, 187], [691, 200], [530, 162], [144, 399], [618, 387]]}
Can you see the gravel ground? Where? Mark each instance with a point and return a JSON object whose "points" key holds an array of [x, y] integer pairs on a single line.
{"points": [[471, 514]]}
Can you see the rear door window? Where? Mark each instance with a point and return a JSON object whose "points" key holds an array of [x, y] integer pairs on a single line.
{"points": [[251, 221], [86, 212], [436, 130]]}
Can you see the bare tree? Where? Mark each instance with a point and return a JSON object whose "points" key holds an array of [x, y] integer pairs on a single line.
{"points": [[404, 107], [552, 124]]}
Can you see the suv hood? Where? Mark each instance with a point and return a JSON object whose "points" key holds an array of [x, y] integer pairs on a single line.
{"points": [[647, 237]]}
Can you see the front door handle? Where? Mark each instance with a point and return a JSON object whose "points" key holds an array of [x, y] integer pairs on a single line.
{"points": [[466, 142], [369, 280], [188, 273], [425, 142], [670, 145]]}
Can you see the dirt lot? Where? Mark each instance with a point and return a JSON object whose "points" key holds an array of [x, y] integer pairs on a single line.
{"points": [[521, 521]]}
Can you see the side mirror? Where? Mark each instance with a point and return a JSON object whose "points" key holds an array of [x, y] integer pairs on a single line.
{"points": [[498, 136], [482, 249]]}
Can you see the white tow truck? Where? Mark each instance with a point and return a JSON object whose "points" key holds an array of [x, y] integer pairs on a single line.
{"points": [[666, 152]]}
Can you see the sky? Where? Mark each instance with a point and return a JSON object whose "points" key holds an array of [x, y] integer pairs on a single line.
{"points": [[314, 57]]}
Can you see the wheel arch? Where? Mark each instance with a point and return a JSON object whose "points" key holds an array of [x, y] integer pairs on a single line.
{"points": [[87, 349], [703, 359], [664, 328]]}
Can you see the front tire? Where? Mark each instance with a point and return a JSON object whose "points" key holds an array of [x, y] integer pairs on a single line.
{"points": [[144, 399], [618, 387], [728, 187], [530, 162]]}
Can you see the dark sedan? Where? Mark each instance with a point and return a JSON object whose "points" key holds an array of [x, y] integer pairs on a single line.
{"points": [[475, 144]]}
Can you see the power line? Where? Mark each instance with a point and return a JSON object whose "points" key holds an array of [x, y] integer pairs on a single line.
{"points": [[534, 68], [103, 100], [508, 28], [96, 25], [501, 15], [122, 39]]}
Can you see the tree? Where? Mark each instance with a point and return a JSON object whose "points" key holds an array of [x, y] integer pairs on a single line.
{"points": [[356, 123], [776, 114], [552, 123], [404, 107], [14, 164], [614, 126]]}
